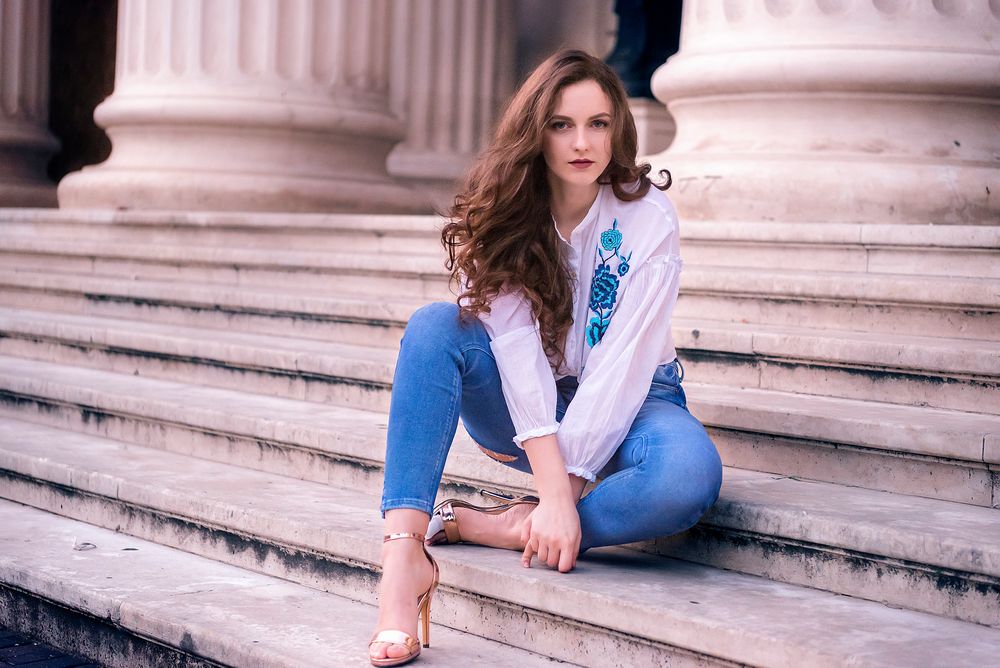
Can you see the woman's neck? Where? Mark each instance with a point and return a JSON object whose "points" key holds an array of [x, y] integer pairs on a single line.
{"points": [[570, 204]]}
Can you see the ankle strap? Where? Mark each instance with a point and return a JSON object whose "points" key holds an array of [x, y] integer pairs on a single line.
{"points": [[403, 534]]}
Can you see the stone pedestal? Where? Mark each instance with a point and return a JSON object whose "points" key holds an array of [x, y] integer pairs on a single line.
{"points": [[452, 70], [263, 105], [883, 111], [25, 142]]}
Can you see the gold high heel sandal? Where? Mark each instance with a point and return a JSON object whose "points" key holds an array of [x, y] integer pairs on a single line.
{"points": [[443, 526], [396, 637]]}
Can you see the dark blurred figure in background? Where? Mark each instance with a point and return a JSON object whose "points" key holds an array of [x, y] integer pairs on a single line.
{"points": [[648, 33]]}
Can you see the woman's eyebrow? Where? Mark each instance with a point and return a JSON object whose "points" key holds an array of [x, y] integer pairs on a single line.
{"points": [[603, 113]]}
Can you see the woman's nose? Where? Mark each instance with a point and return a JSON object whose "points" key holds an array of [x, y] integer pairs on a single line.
{"points": [[580, 140]]}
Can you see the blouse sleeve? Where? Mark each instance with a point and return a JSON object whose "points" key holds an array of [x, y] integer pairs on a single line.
{"points": [[616, 378], [529, 386]]}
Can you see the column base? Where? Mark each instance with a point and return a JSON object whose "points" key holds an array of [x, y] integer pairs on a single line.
{"points": [[205, 167], [825, 189]]}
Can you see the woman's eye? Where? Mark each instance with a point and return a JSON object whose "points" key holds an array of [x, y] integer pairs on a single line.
{"points": [[559, 125], [601, 124]]}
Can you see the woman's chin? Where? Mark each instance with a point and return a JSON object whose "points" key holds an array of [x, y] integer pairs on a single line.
{"points": [[584, 178]]}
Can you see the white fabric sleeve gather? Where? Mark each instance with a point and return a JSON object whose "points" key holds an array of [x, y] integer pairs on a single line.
{"points": [[616, 378], [529, 387]]}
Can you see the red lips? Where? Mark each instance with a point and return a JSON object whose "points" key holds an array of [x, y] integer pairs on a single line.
{"points": [[582, 162]]}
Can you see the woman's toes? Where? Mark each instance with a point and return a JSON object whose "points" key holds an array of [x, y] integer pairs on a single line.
{"points": [[377, 651], [382, 650], [396, 650]]}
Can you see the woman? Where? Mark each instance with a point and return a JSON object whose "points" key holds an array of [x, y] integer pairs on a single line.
{"points": [[558, 356]]}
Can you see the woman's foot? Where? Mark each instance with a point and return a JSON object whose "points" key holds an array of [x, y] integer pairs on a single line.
{"points": [[406, 574], [502, 530]]}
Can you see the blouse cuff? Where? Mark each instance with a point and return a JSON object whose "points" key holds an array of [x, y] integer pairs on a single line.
{"points": [[527, 383], [582, 472], [535, 433]]}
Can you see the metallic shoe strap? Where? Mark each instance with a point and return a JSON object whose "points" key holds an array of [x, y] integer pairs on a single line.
{"points": [[403, 534]]}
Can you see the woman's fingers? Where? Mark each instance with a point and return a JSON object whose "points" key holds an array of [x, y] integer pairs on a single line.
{"points": [[551, 553], [543, 552], [566, 561], [529, 549]]}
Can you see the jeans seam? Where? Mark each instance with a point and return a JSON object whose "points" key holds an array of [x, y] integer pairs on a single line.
{"points": [[456, 400], [476, 346], [645, 447]]}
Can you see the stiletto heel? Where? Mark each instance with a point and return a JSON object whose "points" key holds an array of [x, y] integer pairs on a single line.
{"points": [[426, 619], [396, 637], [443, 527]]}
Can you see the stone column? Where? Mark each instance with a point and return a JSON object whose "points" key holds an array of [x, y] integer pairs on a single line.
{"points": [[452, 70], [250, 104], [25, 142], [883, 111]]}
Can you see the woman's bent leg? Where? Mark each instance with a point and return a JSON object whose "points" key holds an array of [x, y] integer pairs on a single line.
{"points": [[661, 480], [445, 367]]}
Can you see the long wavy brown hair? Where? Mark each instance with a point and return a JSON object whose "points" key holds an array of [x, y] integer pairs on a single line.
{"points": [[500, 234]]}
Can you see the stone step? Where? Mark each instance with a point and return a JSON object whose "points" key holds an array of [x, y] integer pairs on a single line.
{"points": [[301, 313], [959, 374], [320, 371], [887, 547], [126, 602], [135, 299], [953, 307], [942, 250], [370, 233], [960, 307], [950, 373], [345, 272], [645, 608], [952, 458], [922, 250], [786, 432]]}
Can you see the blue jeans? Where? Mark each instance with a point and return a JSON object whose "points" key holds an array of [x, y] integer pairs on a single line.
{"points": [[660, 480]]}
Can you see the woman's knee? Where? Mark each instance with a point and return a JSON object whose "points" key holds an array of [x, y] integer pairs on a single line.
{"points": [[433, 317], [433, 324], [691, 475]]}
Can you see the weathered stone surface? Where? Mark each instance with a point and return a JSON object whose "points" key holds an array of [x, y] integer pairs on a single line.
{"points": [[209, 609], [905, 538], [828, 348]]}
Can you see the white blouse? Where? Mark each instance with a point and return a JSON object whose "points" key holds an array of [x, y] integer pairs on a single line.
{"points": [[626, 259]]}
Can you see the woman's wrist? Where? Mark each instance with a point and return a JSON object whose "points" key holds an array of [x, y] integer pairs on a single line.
{"points": [[549, 468], [577, 484]]}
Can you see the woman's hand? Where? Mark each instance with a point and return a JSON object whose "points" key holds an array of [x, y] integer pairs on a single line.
{"points": [[552, 531]]}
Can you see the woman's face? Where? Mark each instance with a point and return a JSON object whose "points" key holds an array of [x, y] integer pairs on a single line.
{"points": [[577, 144]]}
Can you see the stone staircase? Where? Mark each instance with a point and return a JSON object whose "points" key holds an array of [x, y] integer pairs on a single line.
{"points": [[209, 393]]}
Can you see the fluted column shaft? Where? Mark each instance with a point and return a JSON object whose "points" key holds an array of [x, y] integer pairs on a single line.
{"points": [[25, 142], [248, 104], [453, 67], [836, 110]]}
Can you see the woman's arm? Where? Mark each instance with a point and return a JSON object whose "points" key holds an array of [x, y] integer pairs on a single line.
{"points": [[553, 528]]}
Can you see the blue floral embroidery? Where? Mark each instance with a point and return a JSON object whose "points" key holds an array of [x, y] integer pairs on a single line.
{"points": [[604, 286], [611, 239]]}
